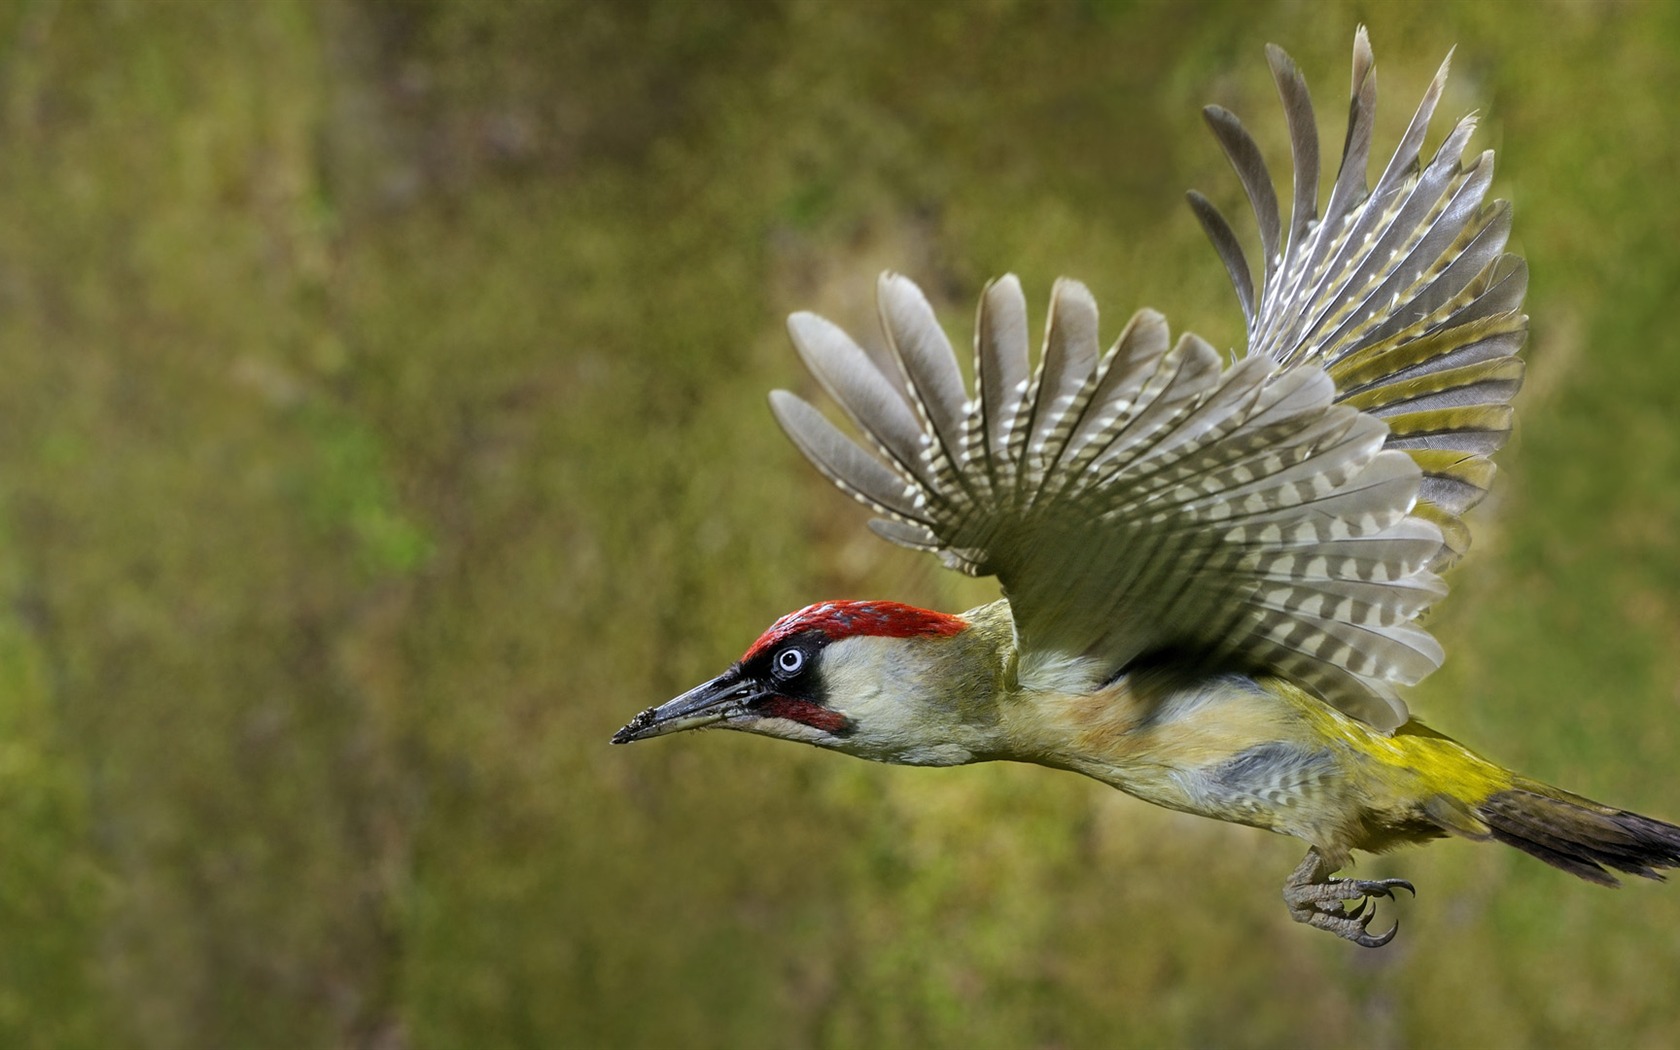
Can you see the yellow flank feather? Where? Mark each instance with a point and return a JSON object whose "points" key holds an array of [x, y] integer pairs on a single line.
{"points": [[1414, 757], [1263, 752]]}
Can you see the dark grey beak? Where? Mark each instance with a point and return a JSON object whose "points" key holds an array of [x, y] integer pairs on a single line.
{"points": [[717, 701]]}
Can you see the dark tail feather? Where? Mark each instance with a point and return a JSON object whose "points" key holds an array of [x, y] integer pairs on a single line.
{"points": [[1579, 835]]}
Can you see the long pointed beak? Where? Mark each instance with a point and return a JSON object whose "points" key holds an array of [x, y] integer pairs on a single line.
{"points": [[704, 705]]}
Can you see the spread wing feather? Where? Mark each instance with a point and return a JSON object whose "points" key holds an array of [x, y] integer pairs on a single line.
{"points": [[1141, 500], [1403, 292], [1284, 511]]}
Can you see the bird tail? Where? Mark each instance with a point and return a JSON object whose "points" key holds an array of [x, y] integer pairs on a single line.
{"points": [[1466, 795], [1579, 835]]}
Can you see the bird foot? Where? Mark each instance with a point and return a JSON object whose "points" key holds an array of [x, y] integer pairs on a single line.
{"points": [[1320, 901]]}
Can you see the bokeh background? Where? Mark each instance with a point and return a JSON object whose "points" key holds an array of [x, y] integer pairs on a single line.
{"points": [[382, 424]]}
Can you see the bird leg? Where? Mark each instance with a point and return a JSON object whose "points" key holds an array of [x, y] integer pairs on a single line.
{"points": [[1318, 900]]}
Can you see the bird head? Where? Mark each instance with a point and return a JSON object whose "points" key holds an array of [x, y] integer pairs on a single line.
{"points": [[864, 678]]}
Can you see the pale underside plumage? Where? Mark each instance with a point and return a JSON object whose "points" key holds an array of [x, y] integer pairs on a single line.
{"points": [[1151, 500]]}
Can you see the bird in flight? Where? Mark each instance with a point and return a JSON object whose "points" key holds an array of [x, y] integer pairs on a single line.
{"points": [[1214, 566]]}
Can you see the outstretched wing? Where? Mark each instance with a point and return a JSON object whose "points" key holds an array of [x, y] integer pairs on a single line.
{"points": [[1139, 501], [1152, 500], [1403, 292]]}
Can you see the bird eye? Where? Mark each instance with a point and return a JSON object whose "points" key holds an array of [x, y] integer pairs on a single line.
{"points": [[790, 661]]}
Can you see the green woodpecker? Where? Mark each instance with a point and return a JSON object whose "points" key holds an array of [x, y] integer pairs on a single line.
{"points": [[1213, 566]]}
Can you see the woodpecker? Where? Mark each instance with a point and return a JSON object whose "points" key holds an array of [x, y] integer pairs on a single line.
{"points": [[1213, 566]]}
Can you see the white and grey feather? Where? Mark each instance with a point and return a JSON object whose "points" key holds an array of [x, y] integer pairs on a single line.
{"points": [[1283, 512]]}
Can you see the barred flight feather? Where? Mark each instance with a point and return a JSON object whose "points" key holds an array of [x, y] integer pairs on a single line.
{"points": [[1394, 291], [1157, 474], [1286, 511]]}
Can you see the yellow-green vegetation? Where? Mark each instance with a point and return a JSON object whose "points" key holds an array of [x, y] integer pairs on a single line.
{"points": [[382, 424]]}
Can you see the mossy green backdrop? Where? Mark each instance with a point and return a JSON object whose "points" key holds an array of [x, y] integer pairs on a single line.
{"points": [[382, 424]]}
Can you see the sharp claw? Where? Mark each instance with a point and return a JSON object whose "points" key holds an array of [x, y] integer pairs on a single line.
{"points": [[1345, 907], [1383, 887], [1368, 941]]}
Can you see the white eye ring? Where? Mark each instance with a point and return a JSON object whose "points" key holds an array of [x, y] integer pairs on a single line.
{"points": [[790, 661]]}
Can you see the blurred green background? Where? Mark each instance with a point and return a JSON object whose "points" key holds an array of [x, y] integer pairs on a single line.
{"points": [[382, 424]]}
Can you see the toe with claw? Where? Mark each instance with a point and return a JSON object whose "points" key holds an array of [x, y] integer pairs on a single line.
{"points": [[1321, 901]]}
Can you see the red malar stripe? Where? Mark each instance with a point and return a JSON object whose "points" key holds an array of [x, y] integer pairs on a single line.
{"points": [[814, 715]]}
